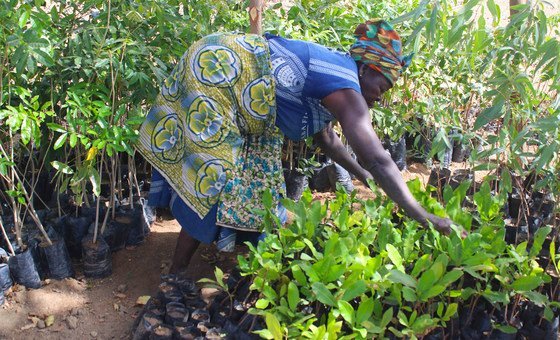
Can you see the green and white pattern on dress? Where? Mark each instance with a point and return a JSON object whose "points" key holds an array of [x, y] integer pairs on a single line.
{"points": [[212, 127]]}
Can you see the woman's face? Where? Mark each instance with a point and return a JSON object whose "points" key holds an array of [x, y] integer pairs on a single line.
{"points": [[373, 84]]}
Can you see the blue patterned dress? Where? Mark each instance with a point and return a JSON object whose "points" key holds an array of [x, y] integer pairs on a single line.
{"points": [[303, 73]]}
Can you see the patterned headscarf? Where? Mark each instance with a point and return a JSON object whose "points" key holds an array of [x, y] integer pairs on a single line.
{"points": [[379, 46]]}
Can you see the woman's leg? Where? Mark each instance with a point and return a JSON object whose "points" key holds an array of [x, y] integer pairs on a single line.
{"points": [[184, 251]]}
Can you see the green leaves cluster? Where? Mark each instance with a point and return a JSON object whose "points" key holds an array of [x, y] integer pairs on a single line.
{"points": [[474, 67], [355, 269], [77, 77]]}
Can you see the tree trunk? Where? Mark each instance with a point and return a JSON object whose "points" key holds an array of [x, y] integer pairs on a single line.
{"points": [[255, 16]]}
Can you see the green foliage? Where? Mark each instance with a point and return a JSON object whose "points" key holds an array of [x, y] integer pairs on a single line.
{"points": [[349, 269], [470, 72]]}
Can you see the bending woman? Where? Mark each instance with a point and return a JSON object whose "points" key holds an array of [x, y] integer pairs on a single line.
{"points": [[215, 133]]}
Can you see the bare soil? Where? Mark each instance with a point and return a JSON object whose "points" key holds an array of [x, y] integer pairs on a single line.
{"points": [[103, 308], [106, 308]]}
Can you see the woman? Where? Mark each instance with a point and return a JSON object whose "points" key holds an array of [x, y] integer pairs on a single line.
{"points": [[215, 133]]}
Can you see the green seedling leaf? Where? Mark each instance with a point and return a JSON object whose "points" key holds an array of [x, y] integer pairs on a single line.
{"points": [[527, 283], [95, 180], [267, 199], [293, 296], [26, 130], [273, 325], [334, 272], [552, 250], [299, 275], [489, 114], [219, 275], [438, 268], [209, 283], [347, 311], [548, 313], [451, 277], [400, 277], [422, 323], [323, 294], [73, 140], [536, 298], [65, 169], [545, 155], [356, 289], [426, 281], [387, 317], [450, 312], [540, 236], [262, 303], [421, 264], [496, 297], [506, 329], [395, 256], [44, 58], [409, 294], [365, 310], [403, 320], [264, 333], [60, 141], [432, 291]]}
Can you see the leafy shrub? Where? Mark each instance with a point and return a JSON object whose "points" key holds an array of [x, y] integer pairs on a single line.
{"points": [[356, 268]]}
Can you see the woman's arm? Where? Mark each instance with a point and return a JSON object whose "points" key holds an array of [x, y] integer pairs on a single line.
{"points": [[350, 109], [333, 147]]}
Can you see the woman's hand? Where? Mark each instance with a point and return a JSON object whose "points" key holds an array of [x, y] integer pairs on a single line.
{"points": [[443, 225]]}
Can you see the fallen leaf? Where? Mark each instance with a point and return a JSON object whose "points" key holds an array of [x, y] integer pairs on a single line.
{"points": [[49, 321], [116, 306], [120, 296], [142, 300]]}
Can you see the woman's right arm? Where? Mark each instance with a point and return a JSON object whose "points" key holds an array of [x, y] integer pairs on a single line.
{"points": [[350, 109]]}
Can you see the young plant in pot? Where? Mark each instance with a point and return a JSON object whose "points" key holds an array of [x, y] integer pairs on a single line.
{"points": [[96, 252], [25, 264], [461, 145], [297, 168], [139, 210], [21, 127], [5, 278], [392, 127], [129, 224], [419, 140]]}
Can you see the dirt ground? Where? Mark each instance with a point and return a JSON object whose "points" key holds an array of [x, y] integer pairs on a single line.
{"points": [[106, 308]]}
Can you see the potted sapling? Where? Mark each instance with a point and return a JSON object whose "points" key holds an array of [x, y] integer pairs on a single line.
{"points": [[96, 253]]}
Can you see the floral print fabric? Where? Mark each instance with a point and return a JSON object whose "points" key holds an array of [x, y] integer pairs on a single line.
{"points": [[212, 127]]}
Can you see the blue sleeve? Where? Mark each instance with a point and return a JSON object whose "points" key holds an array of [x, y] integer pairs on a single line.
{"points": [[330, 71]]}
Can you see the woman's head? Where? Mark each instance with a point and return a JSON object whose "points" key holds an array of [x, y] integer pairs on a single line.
{"points": [[372, 83], [378, 47]]}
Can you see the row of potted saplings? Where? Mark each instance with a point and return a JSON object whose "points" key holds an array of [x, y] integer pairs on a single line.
{"points": [[328, 175], [45, 246]]}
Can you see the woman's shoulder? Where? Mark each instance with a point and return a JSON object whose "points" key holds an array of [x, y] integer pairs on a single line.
{"points": [[286, 46]]}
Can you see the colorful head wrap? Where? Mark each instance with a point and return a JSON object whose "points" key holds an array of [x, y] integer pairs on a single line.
{"points": [[379, 46]]}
